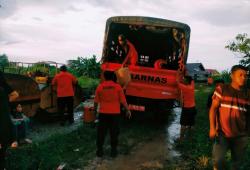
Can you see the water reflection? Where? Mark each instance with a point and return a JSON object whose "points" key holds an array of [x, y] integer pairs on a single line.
{"points": [[78, 115], [173, 130]]}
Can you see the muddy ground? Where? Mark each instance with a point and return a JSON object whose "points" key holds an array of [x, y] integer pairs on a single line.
{"points": [[158, 153]]}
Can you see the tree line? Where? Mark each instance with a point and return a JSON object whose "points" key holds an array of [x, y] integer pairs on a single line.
{"points": [[82, 66]]}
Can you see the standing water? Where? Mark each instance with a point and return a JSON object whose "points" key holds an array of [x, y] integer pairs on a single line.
{"points": [[42, 132], [173, 131]]}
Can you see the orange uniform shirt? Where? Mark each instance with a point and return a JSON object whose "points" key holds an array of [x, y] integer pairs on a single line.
{"points": [[132, 54], [109, 95], [64, 82], [187, 94]]}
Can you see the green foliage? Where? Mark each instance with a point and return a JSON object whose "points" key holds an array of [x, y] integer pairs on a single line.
{"points": [[45, 69], [86, 67], [86, 82], [225, 75], [4, 61], [241, 45]]}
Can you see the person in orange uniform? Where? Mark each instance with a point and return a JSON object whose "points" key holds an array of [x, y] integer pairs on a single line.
{"points": [[129, 49], [109, 95], [229, 120], [210, 81], [188, 113], [64, 82]]}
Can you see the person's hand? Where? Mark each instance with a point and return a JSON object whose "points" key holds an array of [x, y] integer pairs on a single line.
{"points": [[212, 133], [128, 114], [17, 120]]}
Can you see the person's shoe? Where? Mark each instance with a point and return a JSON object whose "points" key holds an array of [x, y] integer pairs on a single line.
{"points": [[28, 141], [113, 153]]}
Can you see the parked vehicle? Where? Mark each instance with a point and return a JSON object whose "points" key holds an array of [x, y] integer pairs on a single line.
{"points": [[34, 87], [162, 48]]}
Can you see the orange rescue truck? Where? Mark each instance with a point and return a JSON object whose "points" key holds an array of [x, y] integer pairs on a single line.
{"points": [[162, 48]]}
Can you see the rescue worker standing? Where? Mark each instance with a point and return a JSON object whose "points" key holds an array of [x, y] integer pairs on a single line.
{"points": [[64, 82], [188, 113], [109, 95]]}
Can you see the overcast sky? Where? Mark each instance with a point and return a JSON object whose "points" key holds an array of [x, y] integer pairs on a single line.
{"points": [[59, 30]]}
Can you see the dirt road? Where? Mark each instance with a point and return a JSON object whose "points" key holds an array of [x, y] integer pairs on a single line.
{"points": [[157, 153]]}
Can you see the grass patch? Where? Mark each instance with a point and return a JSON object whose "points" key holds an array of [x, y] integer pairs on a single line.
{"points": [[53, 151], [61, 148], [86, 82]]}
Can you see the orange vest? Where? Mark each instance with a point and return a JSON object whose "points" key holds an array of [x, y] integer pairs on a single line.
{"points": [[64, 82], [187, 92], [109, 95]]}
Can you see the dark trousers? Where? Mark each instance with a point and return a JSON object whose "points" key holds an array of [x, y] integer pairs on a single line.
{"points": [[2, 156], [19, 131], [107, 122], [236, 145], [66, 103]]}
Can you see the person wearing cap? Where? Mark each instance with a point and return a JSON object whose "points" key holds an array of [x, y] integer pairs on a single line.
{"points": [[64, 83], [109, 95], [188, 113]]}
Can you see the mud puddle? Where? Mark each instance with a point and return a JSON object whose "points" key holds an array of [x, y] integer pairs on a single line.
{"points": [[40, 132], [158, 153], [173, 131], [146, 156]]}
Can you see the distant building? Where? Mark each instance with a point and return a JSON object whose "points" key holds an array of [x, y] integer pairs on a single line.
{"points": [[197, 72], [213, 72]]}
